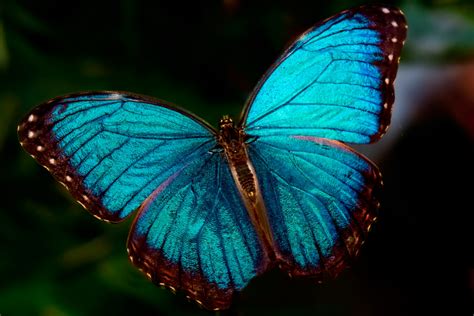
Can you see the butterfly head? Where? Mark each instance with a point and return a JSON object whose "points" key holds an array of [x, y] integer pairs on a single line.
{"points": [[227, 130], [226, 122]]}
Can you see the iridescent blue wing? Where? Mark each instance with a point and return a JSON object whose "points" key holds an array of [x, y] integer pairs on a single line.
{"points": [[112, 149], [117, 151], [320, 197], [335, 81], [194, 234]]}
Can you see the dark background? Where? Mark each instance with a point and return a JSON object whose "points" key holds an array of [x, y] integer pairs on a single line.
{"points": [[56, 259]]}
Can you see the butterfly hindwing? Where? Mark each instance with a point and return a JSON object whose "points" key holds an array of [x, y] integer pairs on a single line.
{"points": [[111, 149], [194, 234], [335, 81], [320, 197]]}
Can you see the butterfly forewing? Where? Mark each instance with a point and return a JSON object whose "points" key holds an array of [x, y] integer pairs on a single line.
{"points": [[335, 81], [110, 149]]}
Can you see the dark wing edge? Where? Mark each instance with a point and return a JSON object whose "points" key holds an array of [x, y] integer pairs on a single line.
{"points": [[392, 44], [164, 273], [353, 237], [36, 138]]}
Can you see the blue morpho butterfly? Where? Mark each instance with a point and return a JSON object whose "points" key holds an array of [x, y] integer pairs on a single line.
{"points": [[218, 207]]}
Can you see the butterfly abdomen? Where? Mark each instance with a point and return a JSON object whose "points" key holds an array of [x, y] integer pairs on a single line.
{"points": [[246, 179]]}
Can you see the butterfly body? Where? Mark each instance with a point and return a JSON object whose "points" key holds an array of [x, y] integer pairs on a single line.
{"points": [[233, 141], [216, 208]]}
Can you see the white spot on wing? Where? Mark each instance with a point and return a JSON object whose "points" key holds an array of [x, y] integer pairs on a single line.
{"points": [[39, 148], [68, 179], [31, 118], [390, 57], [31, 134], [52, 161], [385, 105], [115, 96], [387, 81], [385, 10], [394, 40], [394, 24]]}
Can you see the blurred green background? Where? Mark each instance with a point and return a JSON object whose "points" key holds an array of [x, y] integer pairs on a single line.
{"points": [[56, 259]]}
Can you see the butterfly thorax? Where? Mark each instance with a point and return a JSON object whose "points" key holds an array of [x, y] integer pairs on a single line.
{"points": [[232, 140]]}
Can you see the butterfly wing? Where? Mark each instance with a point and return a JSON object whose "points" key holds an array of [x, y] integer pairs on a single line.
{"points": [[333, 85], [335, 81], [194, 234], [112, 149], [320, 197]]}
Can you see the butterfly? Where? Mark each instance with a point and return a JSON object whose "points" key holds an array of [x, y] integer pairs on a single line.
{"points": [[280, 188]]}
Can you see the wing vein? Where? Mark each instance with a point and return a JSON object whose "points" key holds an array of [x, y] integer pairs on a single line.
{"points": [[86, 109], [293, 97]]}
